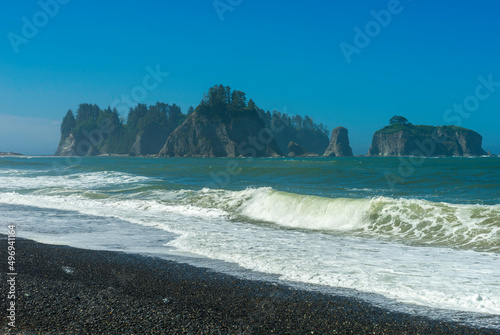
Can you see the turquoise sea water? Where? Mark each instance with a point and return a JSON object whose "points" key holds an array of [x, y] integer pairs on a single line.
{"points": [[422, 232]]}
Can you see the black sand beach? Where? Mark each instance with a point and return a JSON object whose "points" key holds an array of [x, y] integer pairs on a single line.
{"points": [[63, 290]]}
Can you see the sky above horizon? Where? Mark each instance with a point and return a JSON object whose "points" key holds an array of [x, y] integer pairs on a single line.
{"points": [[344, 63]]}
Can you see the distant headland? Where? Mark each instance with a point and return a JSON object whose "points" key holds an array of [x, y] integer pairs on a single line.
{"points": [[225, 124], [10, 154]]}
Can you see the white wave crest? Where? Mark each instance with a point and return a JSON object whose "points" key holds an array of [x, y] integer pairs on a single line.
{"points": [[453, 225], [212, 223], [84, 181], [308, 212]]}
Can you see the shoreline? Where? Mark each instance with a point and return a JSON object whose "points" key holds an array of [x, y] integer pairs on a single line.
{"points": [[65, 290]]}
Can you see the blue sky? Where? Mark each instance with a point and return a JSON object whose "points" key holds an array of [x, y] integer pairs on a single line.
{"points": [[418, 62]]}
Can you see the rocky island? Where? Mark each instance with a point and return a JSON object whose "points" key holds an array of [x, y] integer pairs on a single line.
{"points": [[224, 124], [95, 132], [402, 138], [339, 144]]}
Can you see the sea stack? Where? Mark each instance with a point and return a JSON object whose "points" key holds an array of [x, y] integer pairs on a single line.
{"points": [[339, 144], [223, 125], [402, 138], [202, 136]]}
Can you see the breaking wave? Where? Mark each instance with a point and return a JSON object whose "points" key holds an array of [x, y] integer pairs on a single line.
{"points": [[411, 220]]}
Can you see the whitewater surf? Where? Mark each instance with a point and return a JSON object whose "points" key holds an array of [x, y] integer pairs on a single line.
{"points": [[424, 247]]}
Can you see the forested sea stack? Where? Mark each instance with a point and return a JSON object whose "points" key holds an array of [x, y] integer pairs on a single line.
{"points": [[223, 125], [241, 129], [339, 144], [402, 138], [95, 132]]}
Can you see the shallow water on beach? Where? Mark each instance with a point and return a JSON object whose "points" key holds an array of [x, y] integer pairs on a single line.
{"points": [[418, 232]]}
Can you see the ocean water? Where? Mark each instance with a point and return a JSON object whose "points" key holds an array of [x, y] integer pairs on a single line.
{"points": [[412, 232]]}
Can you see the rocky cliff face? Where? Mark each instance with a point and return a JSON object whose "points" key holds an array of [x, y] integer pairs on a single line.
{"points": [[339, 144], [67, 147], [82, 146], [411, 140], [150, 141], [204, 136]]}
